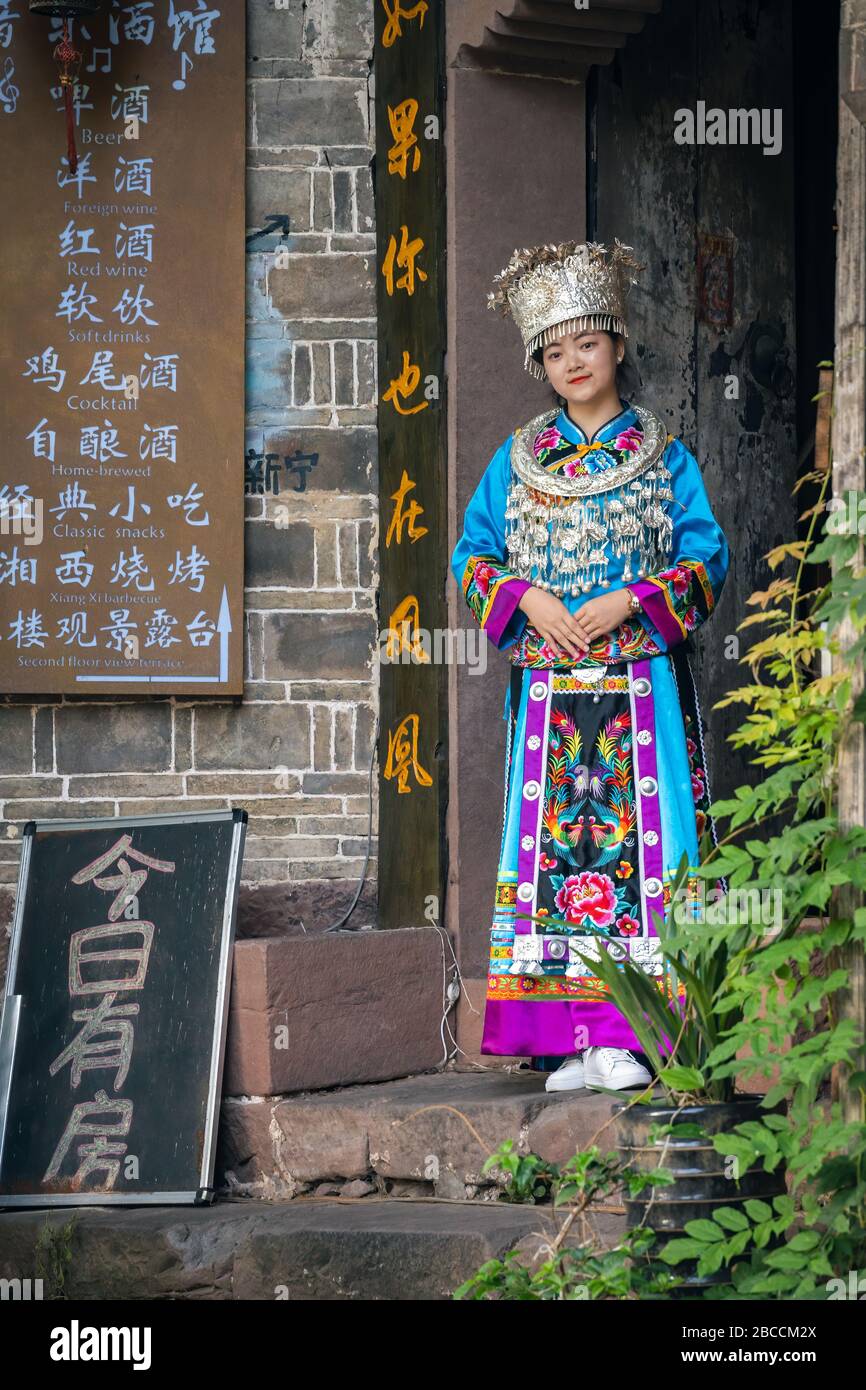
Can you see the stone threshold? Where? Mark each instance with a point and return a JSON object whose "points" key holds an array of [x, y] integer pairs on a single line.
{"points": [[308, 1250], [420, 1136]]}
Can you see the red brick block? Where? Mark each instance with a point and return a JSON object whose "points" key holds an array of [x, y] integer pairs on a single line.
{"points": [[310, 1012]]}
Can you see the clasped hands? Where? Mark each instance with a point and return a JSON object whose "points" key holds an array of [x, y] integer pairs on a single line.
{"points": [[574, 631]]}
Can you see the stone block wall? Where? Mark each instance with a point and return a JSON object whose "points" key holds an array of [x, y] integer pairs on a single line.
{"points": [[295, 751]]}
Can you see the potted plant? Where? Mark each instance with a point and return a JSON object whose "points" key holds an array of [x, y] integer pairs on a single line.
{"points": [[684, 1019]]}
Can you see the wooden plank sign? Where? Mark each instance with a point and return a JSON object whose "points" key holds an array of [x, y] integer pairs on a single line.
{"points": [[410, 280], [113, 1028], [122, 354]]}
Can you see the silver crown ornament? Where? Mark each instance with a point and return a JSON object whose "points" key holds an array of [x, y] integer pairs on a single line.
{"points": [[566, 288]]}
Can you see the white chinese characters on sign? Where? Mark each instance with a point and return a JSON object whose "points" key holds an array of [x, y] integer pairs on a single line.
{"points": [[108, 960]]}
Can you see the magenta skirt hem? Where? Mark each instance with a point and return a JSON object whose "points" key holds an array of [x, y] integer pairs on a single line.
{"points": [[552, 1028]]}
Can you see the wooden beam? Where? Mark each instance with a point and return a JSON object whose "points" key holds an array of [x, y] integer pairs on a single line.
{"points": [[412, 450], [824, 421], [849, 452]]}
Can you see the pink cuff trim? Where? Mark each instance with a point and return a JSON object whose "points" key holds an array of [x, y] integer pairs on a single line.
{"points": [[655, 605], [508, 594]]}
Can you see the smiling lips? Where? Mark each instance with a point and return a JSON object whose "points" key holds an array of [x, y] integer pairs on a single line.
{"points": [[573, 379]]}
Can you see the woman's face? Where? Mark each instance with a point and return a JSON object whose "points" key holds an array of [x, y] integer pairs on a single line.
{"points": [[582, 366]]}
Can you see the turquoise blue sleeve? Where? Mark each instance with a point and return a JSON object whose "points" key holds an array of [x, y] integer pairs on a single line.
{"points": [[480, 562], [679, 598]]}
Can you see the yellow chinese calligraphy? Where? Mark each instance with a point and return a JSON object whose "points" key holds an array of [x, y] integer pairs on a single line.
{"points": [[403, 634], [404, 257], [395, 12], [403, 386], [403, 755], [407, 517], [401, 120]]}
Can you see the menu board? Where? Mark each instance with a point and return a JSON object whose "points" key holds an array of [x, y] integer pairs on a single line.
{"points": [[122, 352], [112, 1035]]}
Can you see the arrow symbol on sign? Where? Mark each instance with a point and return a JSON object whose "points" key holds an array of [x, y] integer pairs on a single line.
{"points": [[274, 223], [224, 627]]}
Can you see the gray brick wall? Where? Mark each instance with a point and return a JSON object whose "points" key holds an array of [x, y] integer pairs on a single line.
{"points": [[296, 751]]}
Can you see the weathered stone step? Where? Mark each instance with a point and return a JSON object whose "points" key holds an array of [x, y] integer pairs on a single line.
{"points": [[422, 1136], [306, 1249]]}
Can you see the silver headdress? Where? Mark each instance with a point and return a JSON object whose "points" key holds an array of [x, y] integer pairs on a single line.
{"points": [[551, 290]]}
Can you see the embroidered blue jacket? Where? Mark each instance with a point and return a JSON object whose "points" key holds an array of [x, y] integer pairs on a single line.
{"points": [[675, 600]]}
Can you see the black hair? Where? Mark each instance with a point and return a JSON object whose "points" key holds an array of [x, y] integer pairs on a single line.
{"points": [[628, 377]]}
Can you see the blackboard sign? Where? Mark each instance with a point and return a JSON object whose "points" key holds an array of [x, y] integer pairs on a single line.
{"points": [[113, 1028]]}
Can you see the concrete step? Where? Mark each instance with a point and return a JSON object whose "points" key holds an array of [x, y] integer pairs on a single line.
{"points": [[418, 1216], [307, 1249], [426, 1135]]}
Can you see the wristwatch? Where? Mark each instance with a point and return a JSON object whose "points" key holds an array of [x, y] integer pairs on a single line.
{"points": [[634, 602]]}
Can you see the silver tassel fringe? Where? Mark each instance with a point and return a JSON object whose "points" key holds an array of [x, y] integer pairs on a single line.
{"points": [[561, 546]]}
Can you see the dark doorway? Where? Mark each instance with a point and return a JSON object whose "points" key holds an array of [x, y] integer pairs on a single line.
{"points": [[733, 374]]}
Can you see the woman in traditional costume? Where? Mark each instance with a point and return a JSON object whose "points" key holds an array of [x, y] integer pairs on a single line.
{"points": [[589, 555]]}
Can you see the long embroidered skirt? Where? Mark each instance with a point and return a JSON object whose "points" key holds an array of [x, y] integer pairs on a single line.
{"points": [[606, 787]]}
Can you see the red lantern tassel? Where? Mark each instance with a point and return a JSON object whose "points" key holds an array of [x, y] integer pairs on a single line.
{"points": [[68, 60], [71, 152]]}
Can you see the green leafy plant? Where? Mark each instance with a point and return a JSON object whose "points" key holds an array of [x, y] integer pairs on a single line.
{"points": [[54, 1256], [570, 1264], [714, 1243], [524, 1177], [783, 995]]}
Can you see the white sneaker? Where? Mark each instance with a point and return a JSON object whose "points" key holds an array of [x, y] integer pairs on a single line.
{"points": [[569, 1075], [614, 1067]]}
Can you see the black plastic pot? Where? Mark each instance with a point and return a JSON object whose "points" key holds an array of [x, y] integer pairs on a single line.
{"points": [[701, 1183]]}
